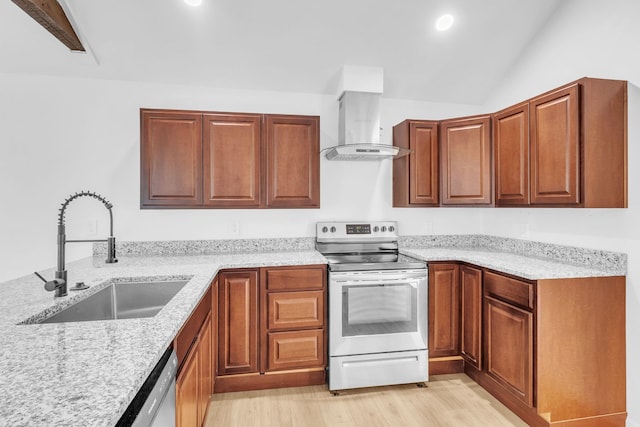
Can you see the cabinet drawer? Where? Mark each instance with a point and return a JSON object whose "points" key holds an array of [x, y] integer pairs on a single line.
{"points": [[281, 279], [291, 310], [509, 290], [298, 349]]}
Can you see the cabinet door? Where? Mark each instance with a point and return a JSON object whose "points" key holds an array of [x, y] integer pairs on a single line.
{"points": [[415, 177], [238, 322], [509, 348], [555, 148], [171, 158], [471, 313], [444, 310], [466, 161], [292, 161], [187, 389], [232, 165], [511, 155], [206, 369]]}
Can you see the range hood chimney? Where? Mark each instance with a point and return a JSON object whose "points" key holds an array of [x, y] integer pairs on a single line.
{"points": [[359, 123]]}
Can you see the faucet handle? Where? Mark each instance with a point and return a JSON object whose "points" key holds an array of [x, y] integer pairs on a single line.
{"points": [[50, 285]]}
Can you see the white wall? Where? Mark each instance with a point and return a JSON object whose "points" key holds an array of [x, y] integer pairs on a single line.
{"points": [[59, 136], [590, 38]]}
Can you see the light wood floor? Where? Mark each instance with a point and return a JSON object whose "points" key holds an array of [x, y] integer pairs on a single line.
{"points": [[449, 400]]}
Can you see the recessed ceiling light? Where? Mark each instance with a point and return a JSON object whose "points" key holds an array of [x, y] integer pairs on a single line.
{"points": [[193, 3], [444, 22]]}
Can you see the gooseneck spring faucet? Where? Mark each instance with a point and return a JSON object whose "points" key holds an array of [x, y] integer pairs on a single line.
{"points": [[59, 283]]}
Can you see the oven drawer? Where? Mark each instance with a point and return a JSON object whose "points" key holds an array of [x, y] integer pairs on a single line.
{"points": [[370, 370], [294, 310], [509, 290], [297, 349], [291, 279]]}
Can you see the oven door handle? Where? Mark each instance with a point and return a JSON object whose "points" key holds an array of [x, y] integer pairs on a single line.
{"points": [[373, 278], [415, 282]]}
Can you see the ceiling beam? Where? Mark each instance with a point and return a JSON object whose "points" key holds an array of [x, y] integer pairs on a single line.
{"points": [[51, 16]]}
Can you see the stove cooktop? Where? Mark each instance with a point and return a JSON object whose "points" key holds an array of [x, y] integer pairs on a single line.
{"points": [[361, 246]]}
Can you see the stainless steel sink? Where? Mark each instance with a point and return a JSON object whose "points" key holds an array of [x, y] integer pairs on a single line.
{"points": [[128, 300]]}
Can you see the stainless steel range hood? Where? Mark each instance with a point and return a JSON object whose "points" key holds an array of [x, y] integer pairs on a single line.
{"points": [[359, 130]]}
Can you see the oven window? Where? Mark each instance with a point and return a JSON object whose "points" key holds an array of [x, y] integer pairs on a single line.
{"points": [[379, 309]]}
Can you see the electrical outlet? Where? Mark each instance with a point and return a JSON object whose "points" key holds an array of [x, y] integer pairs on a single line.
{"points": [[92, 227], [235, 229]]}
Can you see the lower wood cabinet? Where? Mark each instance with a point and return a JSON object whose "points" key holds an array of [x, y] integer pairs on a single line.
{"points": [[444, 318], [444, 310], [471, 316], [187, 392], [509, 348], [295, 349], [551, 350], [193, 345], [237, 322], [271, 328]]}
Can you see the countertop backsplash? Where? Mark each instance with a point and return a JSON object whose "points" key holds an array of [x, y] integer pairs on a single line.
{"points": [[612, 261], [207, 247], [595, 258]]}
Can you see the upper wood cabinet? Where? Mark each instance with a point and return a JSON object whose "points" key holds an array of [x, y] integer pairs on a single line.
{"points": [[232, 160], [511, 155], [465, 150], [415, 177], [292, 167], [171, 154], [567, 147], [194, 159], [564, 148], [555, 147]]}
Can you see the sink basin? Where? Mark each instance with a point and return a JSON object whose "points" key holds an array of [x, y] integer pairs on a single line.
{"points": [[128, 300]]}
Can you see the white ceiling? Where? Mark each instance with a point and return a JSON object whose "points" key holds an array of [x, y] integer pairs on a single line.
{"points": [[284, 45]]}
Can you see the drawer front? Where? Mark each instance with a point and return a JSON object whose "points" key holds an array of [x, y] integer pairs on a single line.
{"points": [[295, 310], [284, 279], [509, 290], [298, 349]]}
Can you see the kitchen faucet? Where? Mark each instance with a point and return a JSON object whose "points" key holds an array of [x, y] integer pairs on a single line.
{"points": [[59, 283]]}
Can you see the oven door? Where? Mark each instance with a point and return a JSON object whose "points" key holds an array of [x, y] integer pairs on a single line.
{"points": [[377, 311]]}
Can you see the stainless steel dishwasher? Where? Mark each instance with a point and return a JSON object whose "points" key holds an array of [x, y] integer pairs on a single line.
{"points": [[155, 403]]}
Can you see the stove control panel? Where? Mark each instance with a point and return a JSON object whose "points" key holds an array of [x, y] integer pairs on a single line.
{"points": [[357, 230]]}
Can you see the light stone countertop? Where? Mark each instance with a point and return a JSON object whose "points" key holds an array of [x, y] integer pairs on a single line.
{"points": [[518, 265], [87, 373]]}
